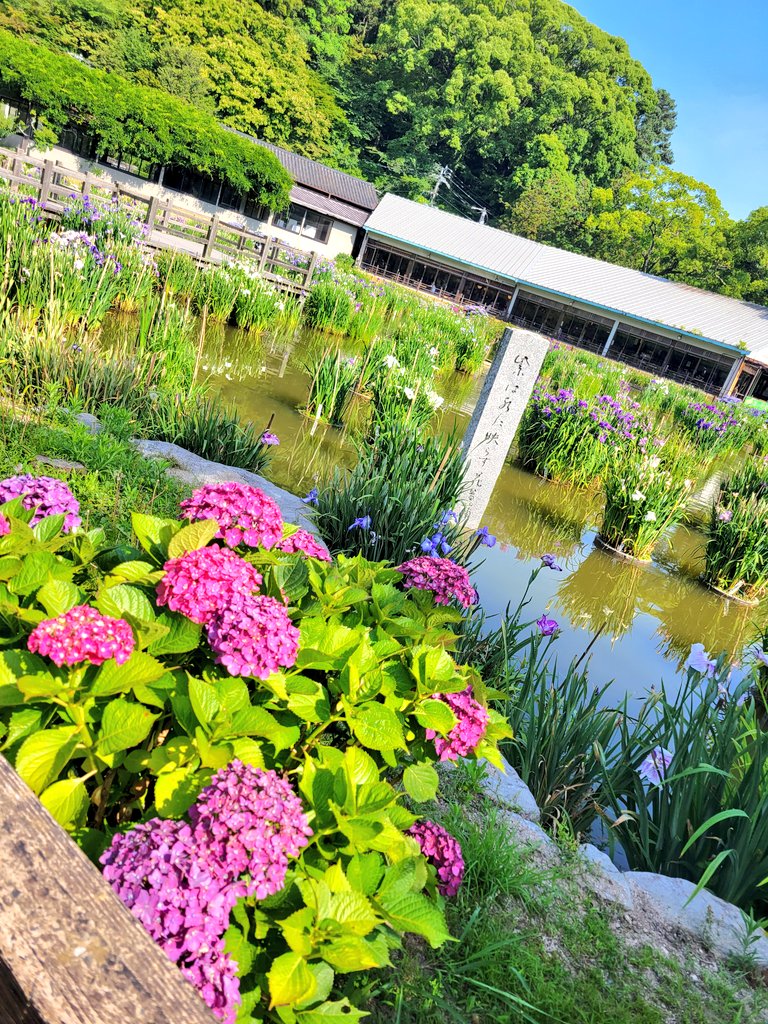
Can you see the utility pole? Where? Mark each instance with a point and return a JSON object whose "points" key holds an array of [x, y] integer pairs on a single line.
{"points": [[483, 213], [442, 179]]}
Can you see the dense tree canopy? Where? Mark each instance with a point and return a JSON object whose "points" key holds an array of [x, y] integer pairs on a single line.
{"points": [[544, 120]]}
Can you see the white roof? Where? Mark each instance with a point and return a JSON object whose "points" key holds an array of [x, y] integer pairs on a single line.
{"points": [[618, 290]]}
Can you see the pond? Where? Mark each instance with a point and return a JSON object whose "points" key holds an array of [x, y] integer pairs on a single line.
{"points": [[646, 617]]}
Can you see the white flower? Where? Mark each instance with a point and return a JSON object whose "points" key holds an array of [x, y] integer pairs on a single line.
{"points": [[655, 462], [391, 362], [688, 483], [245, 291], [78, 264], [650, 517], [638, 496], [409, 393], [434, 351], [434, 399]]}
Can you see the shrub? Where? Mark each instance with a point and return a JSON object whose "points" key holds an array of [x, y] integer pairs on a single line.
{"points": [[328, 307], [645, 495], [165, 735], [177, 273]]}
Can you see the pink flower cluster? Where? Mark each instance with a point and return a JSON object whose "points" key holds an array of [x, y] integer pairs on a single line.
{"points": [[303, 543], [471, 724], [244, 513], [447, 580], [252, 635], [182, 881], [443, 851], [5, 526], [251, 821], [82, 634], [199, 582], [46, 495]]}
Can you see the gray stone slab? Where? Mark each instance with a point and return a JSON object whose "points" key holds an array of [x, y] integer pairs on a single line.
{"points": [[715, 923], [195, 471], [506, 390], [64, 465], [89, 421], [507, 789], [531, 836], [603, 877]]}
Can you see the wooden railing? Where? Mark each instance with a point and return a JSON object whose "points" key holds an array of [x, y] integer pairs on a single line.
{"points": [[70, 952], [207, 238]]}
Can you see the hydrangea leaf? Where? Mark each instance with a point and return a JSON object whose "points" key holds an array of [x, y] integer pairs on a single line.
{"points": [[191, 538], [43, 755], [124, 724], [67, 801], [435, 715], [376, 726], [290, 980], [421, 781], [339, 1012], [413, 912], [355, 953], [58, 596], [126, 602], [113, 678], [176, 790], [205, 702], [154, 534]]}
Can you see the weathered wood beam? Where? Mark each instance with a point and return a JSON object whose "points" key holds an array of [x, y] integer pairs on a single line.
{"points": [[70, 952]]}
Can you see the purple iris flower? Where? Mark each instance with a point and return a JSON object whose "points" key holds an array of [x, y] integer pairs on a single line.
{"points": [[486, 539], [547, 626], [654, 767], [364, 522], [551, 563], [436, 545], [312, 497], [700, 661], [449, 516], [268, 438]]}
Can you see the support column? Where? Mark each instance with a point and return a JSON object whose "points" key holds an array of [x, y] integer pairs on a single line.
{"points": [[512, 301], [733, 376], [507, 388], [363, 247], [610, 338]]}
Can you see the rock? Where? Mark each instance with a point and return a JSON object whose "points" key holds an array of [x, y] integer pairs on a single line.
{"points": [[715, 923], [603, 877], [193, 470], [90, 422], [60, 464], [507, 789], [529, 834]]}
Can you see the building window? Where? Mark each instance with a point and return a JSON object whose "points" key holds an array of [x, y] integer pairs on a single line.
{"points": [[130, 165], [229, 198], [256, 210], [301, 221]]}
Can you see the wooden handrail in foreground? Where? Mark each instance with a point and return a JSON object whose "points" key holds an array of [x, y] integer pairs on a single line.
{"points": [[70, 952]]}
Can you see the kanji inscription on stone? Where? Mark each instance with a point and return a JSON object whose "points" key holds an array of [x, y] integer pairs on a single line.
{"points": [[505, 394]]}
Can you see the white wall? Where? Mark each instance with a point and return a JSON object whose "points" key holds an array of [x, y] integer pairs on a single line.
{"points": [[340, 240]]}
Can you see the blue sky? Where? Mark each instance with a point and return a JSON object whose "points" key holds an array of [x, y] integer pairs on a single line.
{"points": [[713, 58]]}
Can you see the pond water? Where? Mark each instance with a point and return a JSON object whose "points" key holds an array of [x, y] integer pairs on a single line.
{"points": [[647, 617]]}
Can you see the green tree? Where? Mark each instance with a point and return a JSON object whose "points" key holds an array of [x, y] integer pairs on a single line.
{"points": [[663, 222], [748, 241]]}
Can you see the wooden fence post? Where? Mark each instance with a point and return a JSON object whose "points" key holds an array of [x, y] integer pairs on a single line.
{"points": [[264, 254], [210, 238], [310, 271], [47, 180], [154, 202]]}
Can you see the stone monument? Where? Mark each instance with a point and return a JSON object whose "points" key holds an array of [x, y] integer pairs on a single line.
{"points": [[507, 388]]}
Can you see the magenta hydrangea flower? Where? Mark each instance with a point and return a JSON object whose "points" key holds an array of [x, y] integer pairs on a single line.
{"points": [[253, 636], [303, 543], [245, 514], [471, 724], [5, 526], [199, 582], [46, 495], [184, 903], [82, 634], [447, 580], [444, 852], [250, 822]]}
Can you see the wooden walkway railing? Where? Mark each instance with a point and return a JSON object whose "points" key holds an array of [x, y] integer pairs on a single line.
{"points": [[208, 238], [70, 952]]}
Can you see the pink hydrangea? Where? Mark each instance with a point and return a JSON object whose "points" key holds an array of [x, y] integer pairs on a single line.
{"points": [[46, 495], [444, 852], [471, 724], [199, 582], [5, 526], [253, 636], [183, 901], [244, 513], [250, 821], [302, 542], [447, 580], [82, 634]]}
